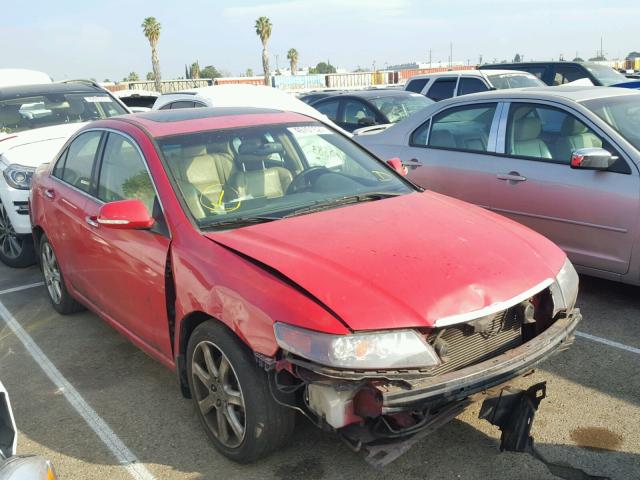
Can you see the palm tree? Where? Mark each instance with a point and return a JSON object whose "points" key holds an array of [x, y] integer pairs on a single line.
{"points": [[292, 56], [263, 30], [151, 28]]}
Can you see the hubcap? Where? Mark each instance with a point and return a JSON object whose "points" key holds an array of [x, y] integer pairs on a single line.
{"points": [[10, 243], [51, 273], [218, 393]]}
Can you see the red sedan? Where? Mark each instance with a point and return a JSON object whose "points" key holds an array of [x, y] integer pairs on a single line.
{"points": [[278, 267]]}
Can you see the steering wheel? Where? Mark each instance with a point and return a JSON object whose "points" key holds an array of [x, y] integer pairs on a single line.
{"points": [[305, 178]]}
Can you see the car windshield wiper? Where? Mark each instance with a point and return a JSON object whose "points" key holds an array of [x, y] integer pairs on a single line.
{"points": [[240, 221], [357, 198]]}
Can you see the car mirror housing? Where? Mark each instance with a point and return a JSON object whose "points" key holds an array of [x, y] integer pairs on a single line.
{"points": [[125, 214], [592, 159], [397, 165]]}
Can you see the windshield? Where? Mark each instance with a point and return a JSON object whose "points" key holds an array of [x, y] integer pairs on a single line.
{"points": [[622, 113], [606, 75], [514, 80], [43, 110], [228, 177], [399, 107]]}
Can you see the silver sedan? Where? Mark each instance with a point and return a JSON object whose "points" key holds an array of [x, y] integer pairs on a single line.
{"points": [[561, 160]]}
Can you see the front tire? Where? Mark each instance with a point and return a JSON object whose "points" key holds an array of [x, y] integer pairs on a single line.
{"points": [[57, 292], [232, 396], [15, 250]]}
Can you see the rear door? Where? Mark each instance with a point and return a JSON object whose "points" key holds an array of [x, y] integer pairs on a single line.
{"points": [[591, 215], [453, 152], [67, 193], [125, 269]]}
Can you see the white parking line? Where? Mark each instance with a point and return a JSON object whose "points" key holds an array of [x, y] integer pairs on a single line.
{"points": [[124, 456], [23, 287], [608, 342]]}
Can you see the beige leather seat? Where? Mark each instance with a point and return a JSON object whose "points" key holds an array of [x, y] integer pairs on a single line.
{"points": [[257, 181], [574, 136], [526, 139], [202, 176]]}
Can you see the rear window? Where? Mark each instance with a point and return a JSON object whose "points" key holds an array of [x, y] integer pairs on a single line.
{"points": [[399, 107], [416, 85], [43, 110], [442, 89], [514, 80]]}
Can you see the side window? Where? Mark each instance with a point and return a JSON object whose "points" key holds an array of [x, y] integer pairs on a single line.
{"points": [[165, 107], [566, 74], [417, 85], [420, 135], [59, 166], [182, 104], [355, 111], [550, 134], [123, 174], [79, 162], [463, 128], [537, 71], [471, 85], [330, 109], [442, 89]]}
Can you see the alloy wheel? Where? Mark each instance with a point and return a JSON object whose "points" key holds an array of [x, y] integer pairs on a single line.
{"points": [[218, 394], [51, 271], [11, 244]]}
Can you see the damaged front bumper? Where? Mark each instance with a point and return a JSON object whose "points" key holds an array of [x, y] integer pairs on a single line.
{"points": [[460, 384]]}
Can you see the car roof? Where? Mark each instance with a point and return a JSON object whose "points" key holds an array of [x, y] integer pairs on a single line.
{"points": [[569, 92], [373, 93], [542, 62], [160, 123], [46, 88], [468, 73]]}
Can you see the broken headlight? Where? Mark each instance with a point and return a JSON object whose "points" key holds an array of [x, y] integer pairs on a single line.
{"points": [[18, 176], [564, 290], [392, 349]]}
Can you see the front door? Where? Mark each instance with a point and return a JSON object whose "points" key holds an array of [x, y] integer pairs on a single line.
{"points": [[592, 215], [452, 154], [125, 269]]}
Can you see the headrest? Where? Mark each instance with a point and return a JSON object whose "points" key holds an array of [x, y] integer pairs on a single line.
{"points": [[571, 126], [194, 150], [10, 115], [527, 129], [265, 149], [76, 107], [218, 147]]}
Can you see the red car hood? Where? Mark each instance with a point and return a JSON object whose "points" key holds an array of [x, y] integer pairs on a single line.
{"points": [[401, 262]]}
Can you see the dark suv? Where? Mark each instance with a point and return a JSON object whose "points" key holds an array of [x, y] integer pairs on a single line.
{"points": [[559, 73]]}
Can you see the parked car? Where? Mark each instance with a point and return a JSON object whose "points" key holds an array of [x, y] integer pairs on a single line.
{"points": [[365, 108], [443, 85], [518, 153], [13, 466], [561, 73], [265, 257], [35, 121], [311, 97], [137, 100]]}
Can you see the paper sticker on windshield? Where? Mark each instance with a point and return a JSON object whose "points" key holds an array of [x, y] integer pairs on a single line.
{"points": [[309, 130], [97, 99]]}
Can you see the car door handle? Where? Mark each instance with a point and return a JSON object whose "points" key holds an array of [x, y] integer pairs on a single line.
{"points": [[511, 176], [50, 193], [92, 221], [412, 163]]}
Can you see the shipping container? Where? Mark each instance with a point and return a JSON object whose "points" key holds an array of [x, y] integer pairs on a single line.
{"points": [[239, 80], [298, 82], [406, 74]]}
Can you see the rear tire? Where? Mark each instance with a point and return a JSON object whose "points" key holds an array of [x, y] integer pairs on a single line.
{"points": [[232, 396], [57, 291], [16, 250]]}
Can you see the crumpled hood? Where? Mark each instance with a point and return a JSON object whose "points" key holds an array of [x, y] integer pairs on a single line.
{"points": [[35, 147], [401, 262]]}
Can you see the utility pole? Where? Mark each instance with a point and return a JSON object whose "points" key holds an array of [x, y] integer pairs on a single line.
{"points": [[277, 68], [480, 59], [450, 54], [429, 58]]}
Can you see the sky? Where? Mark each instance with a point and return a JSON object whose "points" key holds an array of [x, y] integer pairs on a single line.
{"points": [[103, 39]]}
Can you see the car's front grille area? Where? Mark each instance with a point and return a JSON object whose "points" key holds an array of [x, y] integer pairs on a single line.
{"points": [[464, 345], [22, 207]]}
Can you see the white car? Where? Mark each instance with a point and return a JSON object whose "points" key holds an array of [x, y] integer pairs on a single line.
{"points": [[443, 85], [238, 96], [35, 121]]}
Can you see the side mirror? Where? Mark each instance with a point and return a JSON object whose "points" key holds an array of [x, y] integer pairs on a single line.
{"points": [[126, 215], [592, 159], [397, 165], [366, 121]]}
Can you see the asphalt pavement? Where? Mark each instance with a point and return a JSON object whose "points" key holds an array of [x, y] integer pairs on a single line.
{"points": [[118, 405]]}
